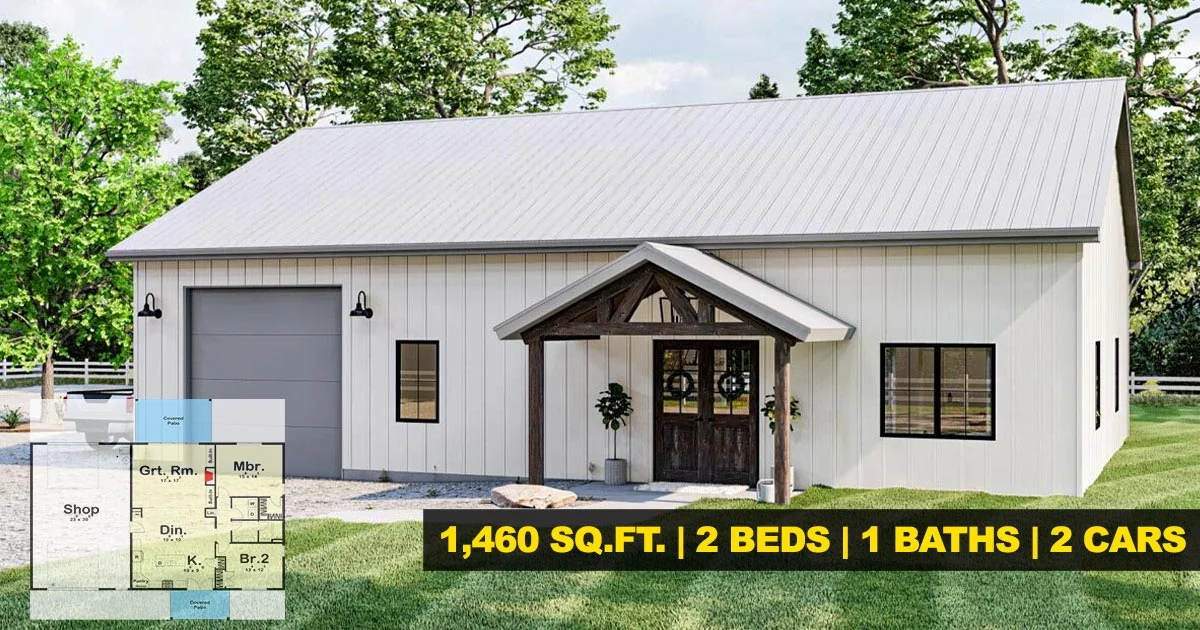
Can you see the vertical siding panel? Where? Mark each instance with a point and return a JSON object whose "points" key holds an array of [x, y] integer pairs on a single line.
{"points": [[949, 314], [270, 272], [454, 367], [870, 323], [322, 271], [172, 342], [1066, 318], [494, 373], [152, 371], [848, 410], [1051, 428], [360, 366], [220, 273], [435, 328], [417, 303], [479, 423], [800, 284], [254, 271], [516, 413], [379, 385], [1027, 417], [397, 303], [556, 381], [288, 274], [578, 406], [341, 272], [306, 271], [139, 329], [923, 455], [824, 369], [598, 438], [641, 424], [974, 329], [237, 273], [203, 273], [1001, 290], [896, 329], [187, 279]]}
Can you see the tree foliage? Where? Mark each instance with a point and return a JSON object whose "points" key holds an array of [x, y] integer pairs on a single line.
{"points": [[405, 59], [79, 171], [764, 88], [1170, 345], [17, 41], [261, 77]]}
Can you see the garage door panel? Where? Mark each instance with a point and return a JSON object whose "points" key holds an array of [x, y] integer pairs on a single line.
{"points": [[266, 311], [312, 452], [275, 343], [308, 404], [275, 357]]}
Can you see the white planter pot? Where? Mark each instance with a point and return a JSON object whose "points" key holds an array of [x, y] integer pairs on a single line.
{"points": [[616, 472], [791, 477]]}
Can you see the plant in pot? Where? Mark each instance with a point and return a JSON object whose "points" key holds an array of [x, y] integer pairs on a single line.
{"points": [[615, 407], [768, 410]]}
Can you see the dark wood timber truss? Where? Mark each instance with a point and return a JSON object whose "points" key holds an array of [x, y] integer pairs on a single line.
{"points": [[608, 310]]}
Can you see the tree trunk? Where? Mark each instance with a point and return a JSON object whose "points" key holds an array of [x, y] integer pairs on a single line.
{"points": [[48, 375]]}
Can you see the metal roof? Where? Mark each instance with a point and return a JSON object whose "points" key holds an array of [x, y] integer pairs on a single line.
{"points": [[767, 302], [1025, 161]]}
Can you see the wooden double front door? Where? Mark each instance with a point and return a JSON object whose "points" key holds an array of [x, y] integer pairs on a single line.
{"points": [[705, 411]]}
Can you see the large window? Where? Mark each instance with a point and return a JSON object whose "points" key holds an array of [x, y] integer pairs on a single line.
{"points": [[1099, 414], [939, 391], [416, 381]]}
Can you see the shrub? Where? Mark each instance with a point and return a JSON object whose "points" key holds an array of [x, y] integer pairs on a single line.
{"points": [[1158, 399], [12, 416]]}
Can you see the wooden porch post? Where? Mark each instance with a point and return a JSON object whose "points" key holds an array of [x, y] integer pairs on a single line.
{"points": [[537, 410], [783, 432]]}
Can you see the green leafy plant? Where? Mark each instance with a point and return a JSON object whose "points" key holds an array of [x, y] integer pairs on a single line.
{"points": [[768, 410], [12, 416], [615, 407]]}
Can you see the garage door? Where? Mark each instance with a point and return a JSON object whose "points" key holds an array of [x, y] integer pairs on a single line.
{"points": [[275, 343]]}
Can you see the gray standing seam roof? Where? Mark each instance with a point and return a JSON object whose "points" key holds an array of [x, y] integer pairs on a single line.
{"points": [[1026, 161]]}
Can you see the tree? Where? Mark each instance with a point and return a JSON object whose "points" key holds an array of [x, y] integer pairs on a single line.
{"points": [[79, 171], [764, 88], [260, 78], [198, 169], [17, 39], [399, 60]]}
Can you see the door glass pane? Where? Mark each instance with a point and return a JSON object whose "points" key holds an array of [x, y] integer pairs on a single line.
{"points": [[731, 382], [680, 381]]}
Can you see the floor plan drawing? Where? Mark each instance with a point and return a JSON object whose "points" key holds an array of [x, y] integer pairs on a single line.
{"points": [[207, 516]]}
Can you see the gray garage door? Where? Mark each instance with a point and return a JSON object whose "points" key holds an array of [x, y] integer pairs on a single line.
{"points": [[275, 343]]}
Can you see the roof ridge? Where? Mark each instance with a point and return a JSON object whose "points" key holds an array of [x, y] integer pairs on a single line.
{"points": [[748, 102]]}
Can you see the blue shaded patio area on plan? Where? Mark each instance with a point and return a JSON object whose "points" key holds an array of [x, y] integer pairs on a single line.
{"points": [[200, 604], [173, 421]]}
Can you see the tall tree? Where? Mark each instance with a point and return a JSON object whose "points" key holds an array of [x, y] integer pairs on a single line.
{"points": [[17, 40], [260, 78], [79, 171], [403, 59], [764, 88]]}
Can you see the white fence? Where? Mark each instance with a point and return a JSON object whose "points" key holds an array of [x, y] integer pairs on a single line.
{"points": [[1165, 384], [87, 371]]}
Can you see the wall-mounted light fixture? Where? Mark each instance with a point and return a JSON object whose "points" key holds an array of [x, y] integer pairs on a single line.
{"points": [[150, 308], [359, 311]]}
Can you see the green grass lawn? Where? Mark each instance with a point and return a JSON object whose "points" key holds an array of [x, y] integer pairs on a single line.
{"points": [[355, 575]]}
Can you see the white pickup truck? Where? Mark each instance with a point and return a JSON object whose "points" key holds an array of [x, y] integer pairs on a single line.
{"points": [[102, 415]]}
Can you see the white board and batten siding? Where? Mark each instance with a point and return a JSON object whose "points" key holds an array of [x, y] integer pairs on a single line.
{"points": [[1023, 298]]}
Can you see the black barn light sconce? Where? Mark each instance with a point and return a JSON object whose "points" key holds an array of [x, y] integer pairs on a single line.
{"points": [[150, 308], [359, 311]]}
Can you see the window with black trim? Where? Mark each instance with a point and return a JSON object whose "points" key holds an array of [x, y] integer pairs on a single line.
{"points": [[1099, 413], [939, 391], [416, 381]]}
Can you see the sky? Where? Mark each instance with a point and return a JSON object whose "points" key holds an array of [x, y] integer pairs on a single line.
{"points": [[668, 51]]}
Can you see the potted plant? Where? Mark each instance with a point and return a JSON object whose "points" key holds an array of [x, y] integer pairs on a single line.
{"points": [[615, 407], [768, 410]]}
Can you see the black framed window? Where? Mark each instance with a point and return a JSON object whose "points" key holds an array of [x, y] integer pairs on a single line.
{"points": [[416, 381], [1099, 413], [939, 391]]}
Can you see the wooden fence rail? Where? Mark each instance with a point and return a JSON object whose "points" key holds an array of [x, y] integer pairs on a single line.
{"points": [[88, 371], [1165, 384]]}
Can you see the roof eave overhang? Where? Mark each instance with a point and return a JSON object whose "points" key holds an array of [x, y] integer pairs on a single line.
{"points": [[961, 237]]}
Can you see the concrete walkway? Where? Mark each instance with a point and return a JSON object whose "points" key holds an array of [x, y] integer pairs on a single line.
{"points": [[597, 495]]}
